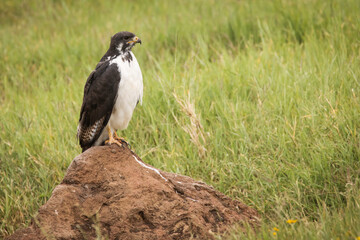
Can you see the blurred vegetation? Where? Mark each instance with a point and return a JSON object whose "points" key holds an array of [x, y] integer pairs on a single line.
{"points": [[273, 85]]}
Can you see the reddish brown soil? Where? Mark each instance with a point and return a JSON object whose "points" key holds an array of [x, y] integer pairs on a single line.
{"points": [[108, 191]]}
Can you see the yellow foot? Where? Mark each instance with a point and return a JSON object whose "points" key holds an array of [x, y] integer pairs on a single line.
{"points": [[112, 139], [120, 138]]}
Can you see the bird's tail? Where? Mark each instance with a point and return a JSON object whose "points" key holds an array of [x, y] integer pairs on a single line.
{"points": [[85, 148]]}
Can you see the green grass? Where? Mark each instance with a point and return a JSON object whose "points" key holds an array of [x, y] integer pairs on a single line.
{"points": [[273, 88]]}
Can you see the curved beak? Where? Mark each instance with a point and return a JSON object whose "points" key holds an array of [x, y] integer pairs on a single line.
{"points": [[135, 40]]}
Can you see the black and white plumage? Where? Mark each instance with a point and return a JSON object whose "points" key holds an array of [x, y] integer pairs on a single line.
{"points": [[111, 93]]}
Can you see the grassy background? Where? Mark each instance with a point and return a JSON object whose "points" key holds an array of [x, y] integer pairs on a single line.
{"points": [[258, 98]]}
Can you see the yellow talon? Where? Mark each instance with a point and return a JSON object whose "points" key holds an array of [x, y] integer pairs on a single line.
{"points": [[122, 140], [112, 139], [119, 138]]}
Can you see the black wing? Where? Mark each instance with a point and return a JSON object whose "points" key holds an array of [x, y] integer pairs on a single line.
{"points": [[100, 93]]}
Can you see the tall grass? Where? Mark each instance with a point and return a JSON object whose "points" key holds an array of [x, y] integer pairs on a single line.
{"points": [[258, 98]]}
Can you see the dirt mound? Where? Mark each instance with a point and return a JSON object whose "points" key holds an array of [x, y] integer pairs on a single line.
{"points": [[110, 192]]}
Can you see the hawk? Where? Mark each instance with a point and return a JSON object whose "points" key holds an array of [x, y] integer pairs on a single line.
{"points": [[111, 94]]}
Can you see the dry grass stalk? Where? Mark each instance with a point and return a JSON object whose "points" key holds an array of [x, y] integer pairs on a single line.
{"points": [[195, 129]]}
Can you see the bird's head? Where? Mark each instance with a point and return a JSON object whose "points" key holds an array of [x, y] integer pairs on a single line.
{"points": [[124, 41]]}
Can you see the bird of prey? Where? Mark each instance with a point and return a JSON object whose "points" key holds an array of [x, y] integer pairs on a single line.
{"points": [[111, 94]]}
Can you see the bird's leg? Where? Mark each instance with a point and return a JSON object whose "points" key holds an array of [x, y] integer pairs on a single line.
{"points": [[122, 140], [112, 139], [119, 138]]}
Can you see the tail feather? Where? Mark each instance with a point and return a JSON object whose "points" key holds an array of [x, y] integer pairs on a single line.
{"points": [[88, 135]]}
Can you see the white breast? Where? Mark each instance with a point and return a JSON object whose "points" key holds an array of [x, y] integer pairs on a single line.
{"points": [[129, 93]]}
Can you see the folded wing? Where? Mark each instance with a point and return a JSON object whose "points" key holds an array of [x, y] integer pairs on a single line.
{"points": [[100, 95]]}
